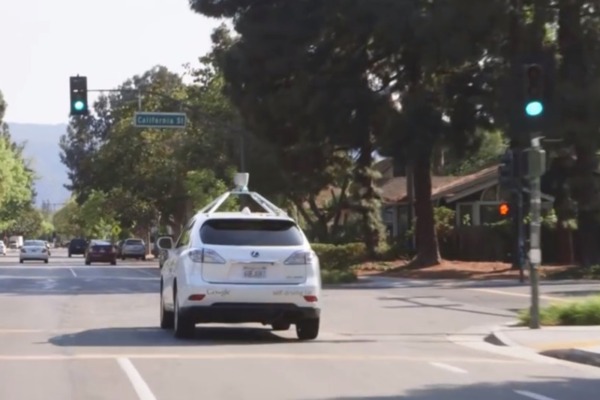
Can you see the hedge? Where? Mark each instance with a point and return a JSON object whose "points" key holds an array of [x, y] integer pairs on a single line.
{"points": [[340, 257]]}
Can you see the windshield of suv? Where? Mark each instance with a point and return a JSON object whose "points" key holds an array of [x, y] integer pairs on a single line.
{"points": [[251, 232]]}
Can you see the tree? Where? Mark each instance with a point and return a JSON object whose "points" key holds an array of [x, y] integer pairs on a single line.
{"points": [[16, 181]]}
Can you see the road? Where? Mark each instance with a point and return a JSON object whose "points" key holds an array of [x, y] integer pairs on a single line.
{"points": [[70, 331]]}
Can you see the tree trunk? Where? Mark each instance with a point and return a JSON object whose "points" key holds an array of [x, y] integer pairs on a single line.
{"points": [[368, 200], [428, 253]]}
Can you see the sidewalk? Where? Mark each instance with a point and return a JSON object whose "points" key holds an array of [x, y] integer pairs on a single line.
{"points": [[579, 344]]}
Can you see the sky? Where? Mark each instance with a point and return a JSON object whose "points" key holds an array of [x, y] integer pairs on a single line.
{"points": [[44, 42]]}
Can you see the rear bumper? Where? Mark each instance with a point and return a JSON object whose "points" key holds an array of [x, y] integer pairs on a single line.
{"points": [[102, 258], [33, 256], [133, 253], [266, 313]]}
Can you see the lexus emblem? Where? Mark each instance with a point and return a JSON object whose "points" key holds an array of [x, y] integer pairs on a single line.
{"points": [[254, 254]]}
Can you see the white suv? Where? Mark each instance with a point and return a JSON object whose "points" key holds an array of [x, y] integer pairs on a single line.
{"points": [[243, 266]]}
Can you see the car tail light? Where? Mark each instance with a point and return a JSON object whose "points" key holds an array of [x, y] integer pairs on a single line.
{"points": [[301, 257], [206, 256], [311, 298]]}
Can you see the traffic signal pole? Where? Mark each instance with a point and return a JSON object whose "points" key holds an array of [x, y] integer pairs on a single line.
{"points": [[537, 166]]}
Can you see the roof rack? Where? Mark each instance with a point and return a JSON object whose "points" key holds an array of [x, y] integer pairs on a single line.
{"points": [[241, 189]]}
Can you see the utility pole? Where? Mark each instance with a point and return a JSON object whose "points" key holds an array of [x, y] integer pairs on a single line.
{"points": [[536, 156]]}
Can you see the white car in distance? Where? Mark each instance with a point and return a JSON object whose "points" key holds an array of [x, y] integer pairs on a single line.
{"points": [[240, 267], [34, 250]]}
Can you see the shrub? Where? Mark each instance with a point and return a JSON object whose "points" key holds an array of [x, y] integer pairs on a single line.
{"points": [[577, 312], [332, 277], [340, 257]]}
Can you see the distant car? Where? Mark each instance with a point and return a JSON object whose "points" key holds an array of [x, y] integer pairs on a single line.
{"points": [[34, 250], [100, 251], [2, 248], [133, 248], [77, 246]]}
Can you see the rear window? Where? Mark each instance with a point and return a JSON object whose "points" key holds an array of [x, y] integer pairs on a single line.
{"points": [[33, 243], [251, 232], [78, 242], [134, 241]]}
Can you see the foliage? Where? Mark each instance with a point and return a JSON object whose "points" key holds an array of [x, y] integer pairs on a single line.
{"points": [[575, 312], [340, 257], [16, 185], [334, 277]]}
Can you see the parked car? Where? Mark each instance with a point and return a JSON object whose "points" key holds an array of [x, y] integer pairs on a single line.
{"points": [[100, 251], [77, 246], [237, 267], [133, 248], [34, 250], [2, 248]]}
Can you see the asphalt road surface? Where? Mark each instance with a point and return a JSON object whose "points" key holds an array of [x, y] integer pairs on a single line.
{"points": [[70, 331]]}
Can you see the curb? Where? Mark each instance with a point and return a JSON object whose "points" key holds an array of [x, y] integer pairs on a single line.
{"points": [[575, 355], [498, 338]]}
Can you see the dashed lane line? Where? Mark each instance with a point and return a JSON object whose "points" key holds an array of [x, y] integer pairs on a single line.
{"points": [[532, 395], [449, 367], [139, 384], [73, 273], [251, 356]]}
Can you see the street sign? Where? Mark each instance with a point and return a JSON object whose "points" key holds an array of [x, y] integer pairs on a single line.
{"points": [[159, 120]]}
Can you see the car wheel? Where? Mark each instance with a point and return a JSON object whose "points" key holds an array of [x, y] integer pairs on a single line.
{"points": [[114, 262], [183, 326], [281, 326], [308, 329], [21, 261], [88, 262], [69, 255], [167, 318], [144, 258], [45, 261]]}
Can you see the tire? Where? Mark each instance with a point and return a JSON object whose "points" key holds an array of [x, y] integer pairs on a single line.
{"points": [[183, 327], [69, 255], [45, 261], [280, 326], [308, 329], [167, 318], [113, 262], [144, 258], [88, 263], [21, 261]]}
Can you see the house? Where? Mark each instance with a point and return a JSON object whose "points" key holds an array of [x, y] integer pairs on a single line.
{"points": [[475, 197]]}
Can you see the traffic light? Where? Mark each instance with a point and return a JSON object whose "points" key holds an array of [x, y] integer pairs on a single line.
{"points": [[504, 209], [534, 90], [506, 170], [78, 90]]}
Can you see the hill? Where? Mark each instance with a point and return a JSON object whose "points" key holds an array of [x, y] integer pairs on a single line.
{"points": [[42, 149]]}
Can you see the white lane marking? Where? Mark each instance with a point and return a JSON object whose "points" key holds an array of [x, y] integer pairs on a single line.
{"points": [[501, 292], [532, 395], [449, 367], [242, 356], [73, 273], [139, 384], [122, 278]]}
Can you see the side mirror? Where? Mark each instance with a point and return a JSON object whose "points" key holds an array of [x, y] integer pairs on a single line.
{"points": [[164, 243]]}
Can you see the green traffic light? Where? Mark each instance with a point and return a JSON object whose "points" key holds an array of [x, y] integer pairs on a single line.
{"points": [[79, 105], [534, 108]]}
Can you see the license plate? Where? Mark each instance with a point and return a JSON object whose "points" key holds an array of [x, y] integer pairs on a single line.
{"points": [[255, 272]]}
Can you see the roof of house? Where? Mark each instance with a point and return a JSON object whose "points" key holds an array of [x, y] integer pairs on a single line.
{"points": [[393, 190]]}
